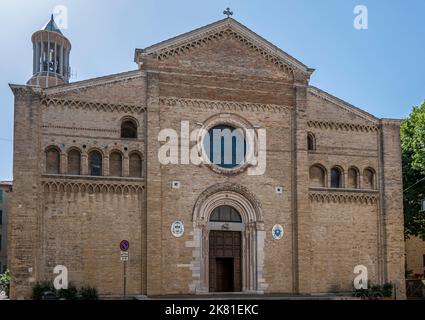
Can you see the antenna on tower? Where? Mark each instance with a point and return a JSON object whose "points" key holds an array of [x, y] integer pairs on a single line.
{"points": [[73, 75]]}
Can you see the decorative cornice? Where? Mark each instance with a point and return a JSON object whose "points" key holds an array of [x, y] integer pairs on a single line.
{"points": [[330, 125], [391, 122], [25, 89], [97, 106], [233, 187], [210, 37], [342, 104], [222, 105], [218, 30], [66, 186], [332, 196], [80, 129], [84, 84]]}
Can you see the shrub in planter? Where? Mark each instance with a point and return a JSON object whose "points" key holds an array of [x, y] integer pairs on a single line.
{"points": [[5, 282], [88, 293], [68, 294], [40, 287], [387, 290]]}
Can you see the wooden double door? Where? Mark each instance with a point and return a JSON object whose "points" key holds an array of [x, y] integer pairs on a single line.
{"points": [[225, 250]]}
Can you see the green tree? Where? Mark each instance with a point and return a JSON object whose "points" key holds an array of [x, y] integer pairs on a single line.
{"points": [[413, 148]]}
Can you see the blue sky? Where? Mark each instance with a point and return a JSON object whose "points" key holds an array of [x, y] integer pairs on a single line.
{"points": [[379, 70]]}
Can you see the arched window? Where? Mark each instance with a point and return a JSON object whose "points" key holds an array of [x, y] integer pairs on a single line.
{"points": [[317, 177], [74, 162], [368, 179], [311, 142], [225, 214], [336, 178], [129, 129], [225, 146], [115, 164], [52, 160], [353, 178], [135, 165], [95, 163]]}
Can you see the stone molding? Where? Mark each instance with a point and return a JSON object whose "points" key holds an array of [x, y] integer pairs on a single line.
{"points": [[218, 30], [80, 129], [24, 89], [228, 187], [215, 35], [253, 236], [331, 125], [91, 187], [223, 105], [96, 106], [99, 81], [347, 196]]}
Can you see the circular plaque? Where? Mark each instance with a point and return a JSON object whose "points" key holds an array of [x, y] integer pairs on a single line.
{"points": [[177, 229], [277, 232]]}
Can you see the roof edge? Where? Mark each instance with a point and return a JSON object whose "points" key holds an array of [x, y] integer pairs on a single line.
{"points": [[25, 88], [127, 75], [237, 26], [391, 121], [343, 104]]}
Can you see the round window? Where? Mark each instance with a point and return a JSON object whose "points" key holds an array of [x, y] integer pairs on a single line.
{"points": [[225, 146]]}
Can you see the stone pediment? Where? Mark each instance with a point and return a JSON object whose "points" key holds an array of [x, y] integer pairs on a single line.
{"points": [[239, 41]]}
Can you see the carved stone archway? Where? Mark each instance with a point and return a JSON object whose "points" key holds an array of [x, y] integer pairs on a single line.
{"points": [[253, 235]]}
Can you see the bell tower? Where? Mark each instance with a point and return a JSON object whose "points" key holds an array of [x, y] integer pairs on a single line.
{"points": [[50, 56]]}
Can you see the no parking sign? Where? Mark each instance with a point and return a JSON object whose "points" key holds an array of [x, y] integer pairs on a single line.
{"points": [[124, 245]]}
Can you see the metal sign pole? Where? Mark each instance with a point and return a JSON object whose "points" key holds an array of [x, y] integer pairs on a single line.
{"points": [[125, 277], [124, 245]]}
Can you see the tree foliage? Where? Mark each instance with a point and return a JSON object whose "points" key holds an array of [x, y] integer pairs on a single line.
{"points": [[413, 148]]}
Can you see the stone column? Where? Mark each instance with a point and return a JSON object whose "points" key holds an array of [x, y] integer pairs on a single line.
{"points": [[126, 166], [38, 57], [301, 207], [61, 61], [68, 70], [34, 59], [63, 163], [153, 189], [54, 57], [25, 206], [42, 53], [105, 165], [392, 221], [84, 163]]}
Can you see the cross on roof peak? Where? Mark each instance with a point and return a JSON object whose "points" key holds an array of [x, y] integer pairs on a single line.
{"points": [[228, 13]]}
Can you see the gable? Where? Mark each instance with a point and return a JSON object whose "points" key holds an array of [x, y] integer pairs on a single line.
{"points": [[125, 88], [225, 55], [325, 108], [229, 41]]}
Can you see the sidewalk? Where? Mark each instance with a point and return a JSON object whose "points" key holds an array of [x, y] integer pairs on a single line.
{"points": [[248, 297]]}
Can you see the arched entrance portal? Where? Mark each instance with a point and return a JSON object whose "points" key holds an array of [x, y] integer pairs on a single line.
{"points": [[228, 241], [225, 250]]}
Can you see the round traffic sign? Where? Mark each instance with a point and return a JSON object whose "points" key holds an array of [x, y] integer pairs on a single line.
{"points": [[124, 245]]}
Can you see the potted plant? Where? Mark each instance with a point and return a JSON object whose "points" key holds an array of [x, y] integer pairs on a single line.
{"points": [[387, 291], [5, 282]]}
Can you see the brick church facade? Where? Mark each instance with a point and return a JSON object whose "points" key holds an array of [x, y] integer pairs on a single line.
{"points": [[87, 175]]}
